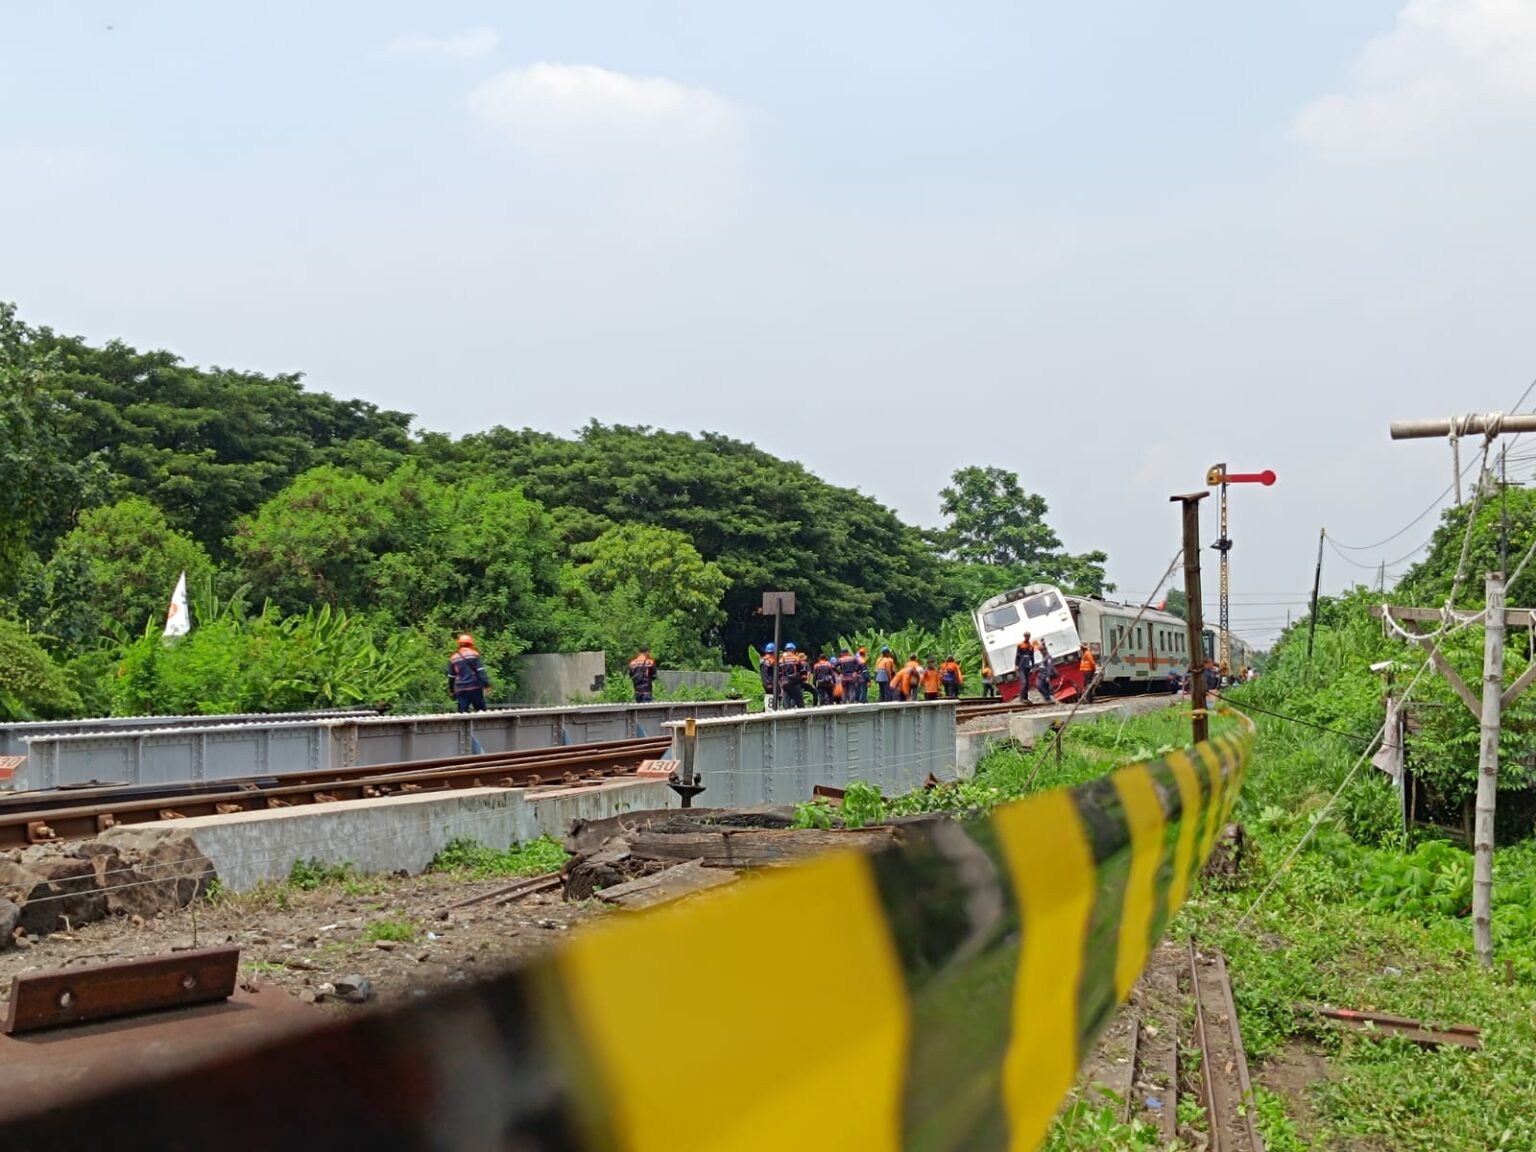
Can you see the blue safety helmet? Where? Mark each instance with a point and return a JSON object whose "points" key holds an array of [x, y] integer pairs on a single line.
{"points": [[768, 648], [886, 651], [790, 647]]}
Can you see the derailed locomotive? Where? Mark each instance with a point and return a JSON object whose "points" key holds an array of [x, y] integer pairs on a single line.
{"points": [[1134, 655]]}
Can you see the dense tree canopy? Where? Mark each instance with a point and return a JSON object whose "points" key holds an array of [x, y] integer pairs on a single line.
{"points": [[333, 521], [768, 523], [995, 524]]}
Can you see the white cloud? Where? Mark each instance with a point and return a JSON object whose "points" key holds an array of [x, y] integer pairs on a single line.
{"points": [[577, 113], [471, 44], [1447, 69]]}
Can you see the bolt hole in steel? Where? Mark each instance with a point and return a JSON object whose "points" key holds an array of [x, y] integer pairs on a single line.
{"points": [[189, 983], [66, 999]]}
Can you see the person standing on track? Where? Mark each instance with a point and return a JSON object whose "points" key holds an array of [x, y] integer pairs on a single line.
{"points": [[908, 680], [467, 678], [1089, 667], [823, 679], [1024, 665], [932, 681], [988, 682], [885, 675], [642, 674], [950, 677], [848, 676], [792, 677], [765, 668], [862, 695], [1046, 676]]}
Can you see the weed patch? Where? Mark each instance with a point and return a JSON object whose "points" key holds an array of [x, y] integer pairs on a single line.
{"points": [[400, 930], [473, 859]]}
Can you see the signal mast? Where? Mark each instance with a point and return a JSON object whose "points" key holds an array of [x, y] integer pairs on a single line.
{"points": [[1218, 476]]}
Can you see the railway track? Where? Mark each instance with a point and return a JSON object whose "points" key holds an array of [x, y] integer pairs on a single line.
{"points": [[1185, 1042], [78, 814]]}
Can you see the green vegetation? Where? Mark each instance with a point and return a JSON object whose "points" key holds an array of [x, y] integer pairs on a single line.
{"points": [[1092, 1125], [474, 860], [307, 875], [1367, 916], [348, 548], [398, 930]]}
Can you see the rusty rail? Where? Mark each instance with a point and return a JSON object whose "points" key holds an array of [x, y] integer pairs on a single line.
{"points": [[1229, 1121], [62, 816]]}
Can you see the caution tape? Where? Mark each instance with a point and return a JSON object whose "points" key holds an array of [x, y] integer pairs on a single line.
{"points": [[939, 994]]}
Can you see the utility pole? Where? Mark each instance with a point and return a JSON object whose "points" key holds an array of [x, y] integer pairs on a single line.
{"points": [[1495, 697], [1488, 769], [1317, 583], [1191, 503]]}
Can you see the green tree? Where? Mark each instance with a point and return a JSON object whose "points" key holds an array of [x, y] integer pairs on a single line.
{"points": [[1177, 603], [206, 446], [768, 523], [42, 482], [641, 585], [115, 571], [315, 542], [993, 522], [417, 551]]}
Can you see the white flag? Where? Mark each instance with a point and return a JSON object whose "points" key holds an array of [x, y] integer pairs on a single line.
{"points": [[177, 623]]}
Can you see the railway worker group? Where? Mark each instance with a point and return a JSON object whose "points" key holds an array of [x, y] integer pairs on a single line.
{"points": [[790, 677]]}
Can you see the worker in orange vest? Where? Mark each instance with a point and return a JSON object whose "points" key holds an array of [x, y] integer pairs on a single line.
{"points": [[1089, 667], [885, 675], [642, 674], [908, 679], [824, 679], [467, 678], [950, 677], [932, 681], [988, 682]]}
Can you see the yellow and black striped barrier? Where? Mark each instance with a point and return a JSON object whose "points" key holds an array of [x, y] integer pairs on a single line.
{"points": [[938, 994]]}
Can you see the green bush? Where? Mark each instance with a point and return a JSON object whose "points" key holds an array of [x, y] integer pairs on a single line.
{"points": [[32, 685]]}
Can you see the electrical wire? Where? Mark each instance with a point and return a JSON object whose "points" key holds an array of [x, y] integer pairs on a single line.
{"points": [[1249, 706], [1438, 639]]}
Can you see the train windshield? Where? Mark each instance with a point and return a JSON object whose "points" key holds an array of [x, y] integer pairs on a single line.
{"points": [[1042, 605], [1000, 618]]}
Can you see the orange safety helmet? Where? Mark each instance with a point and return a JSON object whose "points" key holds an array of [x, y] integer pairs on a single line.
{"points": [[466, 640]]}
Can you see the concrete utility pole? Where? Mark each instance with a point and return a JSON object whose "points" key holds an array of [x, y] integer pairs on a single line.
{"points": [[1495, 697], [1488, 768], [1193, 602]]}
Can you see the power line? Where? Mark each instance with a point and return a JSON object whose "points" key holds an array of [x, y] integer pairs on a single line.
{"points": [[1434, 505]]}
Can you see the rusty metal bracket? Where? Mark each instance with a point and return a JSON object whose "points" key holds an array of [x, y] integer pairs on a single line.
{"points": [[123, 988]]}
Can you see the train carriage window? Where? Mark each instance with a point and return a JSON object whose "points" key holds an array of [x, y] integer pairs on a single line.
{"points": [[1000, 618], [1042, 605]]}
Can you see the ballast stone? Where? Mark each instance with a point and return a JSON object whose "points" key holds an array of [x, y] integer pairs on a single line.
{"points": [[128, 871]]}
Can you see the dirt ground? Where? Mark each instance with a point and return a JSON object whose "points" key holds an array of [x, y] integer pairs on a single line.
{"points": [[299, 940]]}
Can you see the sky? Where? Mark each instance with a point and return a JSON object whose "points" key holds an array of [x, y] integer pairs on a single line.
{"points": [[1104, 245]]}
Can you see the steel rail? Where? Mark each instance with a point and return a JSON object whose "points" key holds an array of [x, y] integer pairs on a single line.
{"points": [[76, 797], [586, 763]]}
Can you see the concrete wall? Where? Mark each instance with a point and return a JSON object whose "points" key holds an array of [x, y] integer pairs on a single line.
{"points": [[554, 678], [778, 757], [394, 833]]}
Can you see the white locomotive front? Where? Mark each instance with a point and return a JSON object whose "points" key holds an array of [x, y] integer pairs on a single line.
{"points": [[1038, 609]]}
